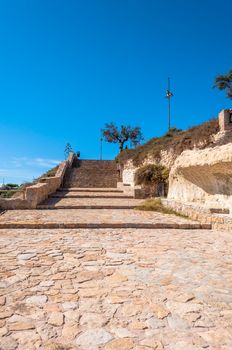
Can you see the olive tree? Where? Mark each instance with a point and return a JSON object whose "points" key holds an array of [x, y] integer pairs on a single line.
{"points": [[121, 135]]}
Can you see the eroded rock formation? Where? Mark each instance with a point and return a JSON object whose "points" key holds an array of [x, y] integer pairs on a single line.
{"points": [[203, 176]]}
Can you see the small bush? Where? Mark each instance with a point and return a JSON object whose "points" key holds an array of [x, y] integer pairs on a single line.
{"points": [[151, 174], [12, 185], [7, 194]]}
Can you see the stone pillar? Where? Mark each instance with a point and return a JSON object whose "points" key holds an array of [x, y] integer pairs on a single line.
{"points": [[225, 120]]}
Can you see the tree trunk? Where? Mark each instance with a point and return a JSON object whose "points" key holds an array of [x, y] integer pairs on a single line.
{"points": [[121, 144]]}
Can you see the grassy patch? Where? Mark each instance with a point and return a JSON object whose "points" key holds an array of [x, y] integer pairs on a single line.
{"points": [[7, 194], [155, 204]]}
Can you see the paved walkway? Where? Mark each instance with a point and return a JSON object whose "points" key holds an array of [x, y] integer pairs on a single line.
{"points": [[113, 289]]}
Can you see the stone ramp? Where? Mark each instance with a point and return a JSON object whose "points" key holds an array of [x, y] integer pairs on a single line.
{"points": [[92, 173], [88, 218]]}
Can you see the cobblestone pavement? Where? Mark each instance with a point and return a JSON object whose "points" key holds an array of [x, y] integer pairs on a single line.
{"points": [[91, 216], [115, 289]]}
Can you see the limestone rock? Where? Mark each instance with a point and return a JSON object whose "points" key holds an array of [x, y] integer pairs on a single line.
{"points": [[94, 337], [39, 300], [122, 344], [8, 343], [56, 319]]}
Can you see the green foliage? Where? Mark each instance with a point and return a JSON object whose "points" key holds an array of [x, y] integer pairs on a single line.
{"points": [[151, 174], [224, 82], [175, 140], [6, 194], [12, 185], [113, 134]]}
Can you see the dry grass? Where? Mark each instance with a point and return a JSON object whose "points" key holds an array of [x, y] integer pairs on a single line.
{"points": [[175, 139], [155, 204]]}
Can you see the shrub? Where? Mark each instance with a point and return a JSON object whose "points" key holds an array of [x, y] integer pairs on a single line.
{"points": [[151, 174]]}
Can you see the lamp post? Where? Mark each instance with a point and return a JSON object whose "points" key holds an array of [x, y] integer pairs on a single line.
{"points": [[101, 139], [169, 94]]}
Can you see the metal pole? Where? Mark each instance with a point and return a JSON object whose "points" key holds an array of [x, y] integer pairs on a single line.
{"points": [[169, 106], [101, 148], [169, 94]]}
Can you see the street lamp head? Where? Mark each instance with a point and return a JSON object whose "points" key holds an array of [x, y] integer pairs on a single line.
{"points": [[168, 94]]}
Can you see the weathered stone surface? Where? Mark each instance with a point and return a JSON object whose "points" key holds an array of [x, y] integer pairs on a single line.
{"points": [[2, 301], [152, 343], [39, 300], [171, 274], [26, 256], [122, 333], [93, 320], [122, 344], [5, 314], [137, 325], [56, 319], [70, 330], [203, 176], [8, 343], [93, 337], [20, 326]]}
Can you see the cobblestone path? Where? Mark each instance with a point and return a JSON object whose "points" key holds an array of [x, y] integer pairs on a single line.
{"points": [[114, 289]]}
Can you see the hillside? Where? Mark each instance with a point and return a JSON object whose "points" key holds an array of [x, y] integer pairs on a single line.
{"points": [[175, 140]]}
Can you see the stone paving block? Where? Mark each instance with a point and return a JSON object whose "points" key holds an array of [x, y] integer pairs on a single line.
{"points": [[115, 289]]}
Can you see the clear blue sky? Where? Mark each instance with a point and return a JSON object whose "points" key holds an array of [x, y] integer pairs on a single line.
{"points": [[68, 67]]}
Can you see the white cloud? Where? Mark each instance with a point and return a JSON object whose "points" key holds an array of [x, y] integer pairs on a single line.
{"points": [[23, 169], [20, 162], [43, 162]]}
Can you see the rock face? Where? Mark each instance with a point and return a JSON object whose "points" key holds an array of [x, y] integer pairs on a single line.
{"points": [[168, 156], [203, 176]]}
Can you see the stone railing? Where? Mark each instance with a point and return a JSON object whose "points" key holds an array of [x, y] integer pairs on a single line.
{"points": [[37, 193]]}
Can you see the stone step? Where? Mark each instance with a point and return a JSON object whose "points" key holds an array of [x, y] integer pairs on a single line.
{"points": [[89, 203], [85, 218], [91, 189], [89, 195], [70, 225], [94, 206]]}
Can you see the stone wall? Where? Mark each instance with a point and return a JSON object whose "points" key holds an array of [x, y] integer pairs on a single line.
{"points": [[219, 219], [35, 194]]}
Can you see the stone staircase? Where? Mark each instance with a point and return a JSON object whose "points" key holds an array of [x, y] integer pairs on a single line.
{"points": [[90, 198], [92, 174]]}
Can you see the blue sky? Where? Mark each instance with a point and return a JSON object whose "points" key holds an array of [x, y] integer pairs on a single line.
{"points": [[68, 67]]}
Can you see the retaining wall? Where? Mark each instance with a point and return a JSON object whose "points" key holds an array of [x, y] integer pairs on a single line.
{"points": [[35, 194]]}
